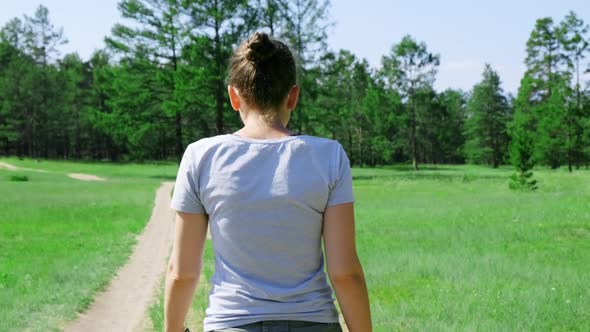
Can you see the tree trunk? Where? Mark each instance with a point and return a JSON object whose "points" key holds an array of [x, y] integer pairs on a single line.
{"points": [[178, 115], [413, 133], [220, 94]]}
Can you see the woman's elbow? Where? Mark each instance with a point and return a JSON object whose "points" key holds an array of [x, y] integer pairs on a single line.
{"points": [[354, 275], [176, 275]]}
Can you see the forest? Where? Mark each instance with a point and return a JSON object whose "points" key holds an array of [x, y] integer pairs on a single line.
{"points": [[159, 84]]}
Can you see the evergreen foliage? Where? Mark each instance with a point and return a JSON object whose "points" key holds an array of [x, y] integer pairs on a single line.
{"points": [[521, 157], [486, 125], [159, 84]]}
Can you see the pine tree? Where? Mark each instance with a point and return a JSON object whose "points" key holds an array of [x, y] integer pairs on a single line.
{"points": [[42, 39], [573, 36], [41, 43], [522, 145], [486, 126], [71, 124], [16, 70], [272, 15], [307, 22], [156, 38], [521, 156], [547, 70], [104, 144], [410, 67], [217, 26], [451, 126], [383, 111]]}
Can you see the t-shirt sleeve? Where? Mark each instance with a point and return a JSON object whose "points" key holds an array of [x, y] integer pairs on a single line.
{"points": [[186, 194], [341, 189]]}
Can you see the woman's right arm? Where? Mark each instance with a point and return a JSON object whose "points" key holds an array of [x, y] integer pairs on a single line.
{"points": [[184, 268], [344, 268]]}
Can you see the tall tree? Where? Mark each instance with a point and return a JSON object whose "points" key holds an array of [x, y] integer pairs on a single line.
{"points": [[338, 111], [573, 37], [487, 122], [16, 73], [306, 33], [547, 74], [157, 34], [104, 145], [544, 55], [384, 113], [410, 67], [272, 15], [586, 125], [217, 27], [42, 37], [450, 126], [42, 41], [71, 124], [13, 33]]}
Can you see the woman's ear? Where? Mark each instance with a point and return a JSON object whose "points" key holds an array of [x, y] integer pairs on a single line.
{"points": [[234, 98], [293, 97]]}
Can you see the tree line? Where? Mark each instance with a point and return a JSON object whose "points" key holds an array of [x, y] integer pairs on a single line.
{"points": [[159, 84]]}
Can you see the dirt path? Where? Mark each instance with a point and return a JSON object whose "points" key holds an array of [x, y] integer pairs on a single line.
{"points": [[77, 176], [85, 177], [8, 166], [123, 305], [11, 167]]}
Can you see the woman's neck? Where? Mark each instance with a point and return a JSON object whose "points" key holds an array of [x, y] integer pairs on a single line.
{"points": [[257, 127]]}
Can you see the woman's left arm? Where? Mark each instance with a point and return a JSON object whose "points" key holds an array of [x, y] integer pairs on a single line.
{"points": [[184, 268]]}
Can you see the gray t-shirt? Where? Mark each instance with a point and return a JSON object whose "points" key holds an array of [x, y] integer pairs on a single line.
{"points": [[265, 200]]}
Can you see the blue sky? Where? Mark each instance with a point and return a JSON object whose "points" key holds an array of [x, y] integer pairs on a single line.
{"points": [[467, 34]]}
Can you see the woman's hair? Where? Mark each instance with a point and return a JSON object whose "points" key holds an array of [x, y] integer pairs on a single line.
{"points": [[263, 71]]}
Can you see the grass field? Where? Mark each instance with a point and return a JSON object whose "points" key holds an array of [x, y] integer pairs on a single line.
{"points": [[61, 239], [453, 249], [444, 249]]}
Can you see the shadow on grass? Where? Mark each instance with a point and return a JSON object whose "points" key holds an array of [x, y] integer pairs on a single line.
{"points": [[441, 177], [163, 177], [405, 168]]}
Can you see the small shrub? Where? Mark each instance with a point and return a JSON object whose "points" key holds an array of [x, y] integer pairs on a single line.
{"points": [[521, 156], [19, 178], [522, 180]]}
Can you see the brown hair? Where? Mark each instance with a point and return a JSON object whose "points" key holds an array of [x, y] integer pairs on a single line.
{"points": [[263, 71]]}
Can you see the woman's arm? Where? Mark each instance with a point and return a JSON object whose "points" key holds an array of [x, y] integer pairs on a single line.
{"points": [[344, 269], [184, 268]]}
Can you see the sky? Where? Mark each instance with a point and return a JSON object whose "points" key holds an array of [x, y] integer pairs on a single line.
{"points": [[466, 34]]}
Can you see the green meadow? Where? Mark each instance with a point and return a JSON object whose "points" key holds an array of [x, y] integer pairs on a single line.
{"points": [[454, 249], [62, 240], [448, 248], [451, 248]]}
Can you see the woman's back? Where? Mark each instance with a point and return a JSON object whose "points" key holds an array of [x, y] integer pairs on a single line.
{"points": [[265, 200], [270, 199]]}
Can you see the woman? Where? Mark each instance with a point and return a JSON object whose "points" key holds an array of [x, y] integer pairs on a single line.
{"points": [[270, 197]]}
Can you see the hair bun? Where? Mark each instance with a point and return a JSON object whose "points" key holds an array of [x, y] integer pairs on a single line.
{"points": [[260, 48]]}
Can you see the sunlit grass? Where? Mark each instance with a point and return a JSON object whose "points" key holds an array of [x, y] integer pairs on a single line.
{"points": [[62, 240], [444, 249], [455, 249], [451, 248]]}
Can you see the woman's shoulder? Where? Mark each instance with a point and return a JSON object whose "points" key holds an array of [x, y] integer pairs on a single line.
{"points": [[326, 145], [206, 142], [319, 144], [320, 140]]}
